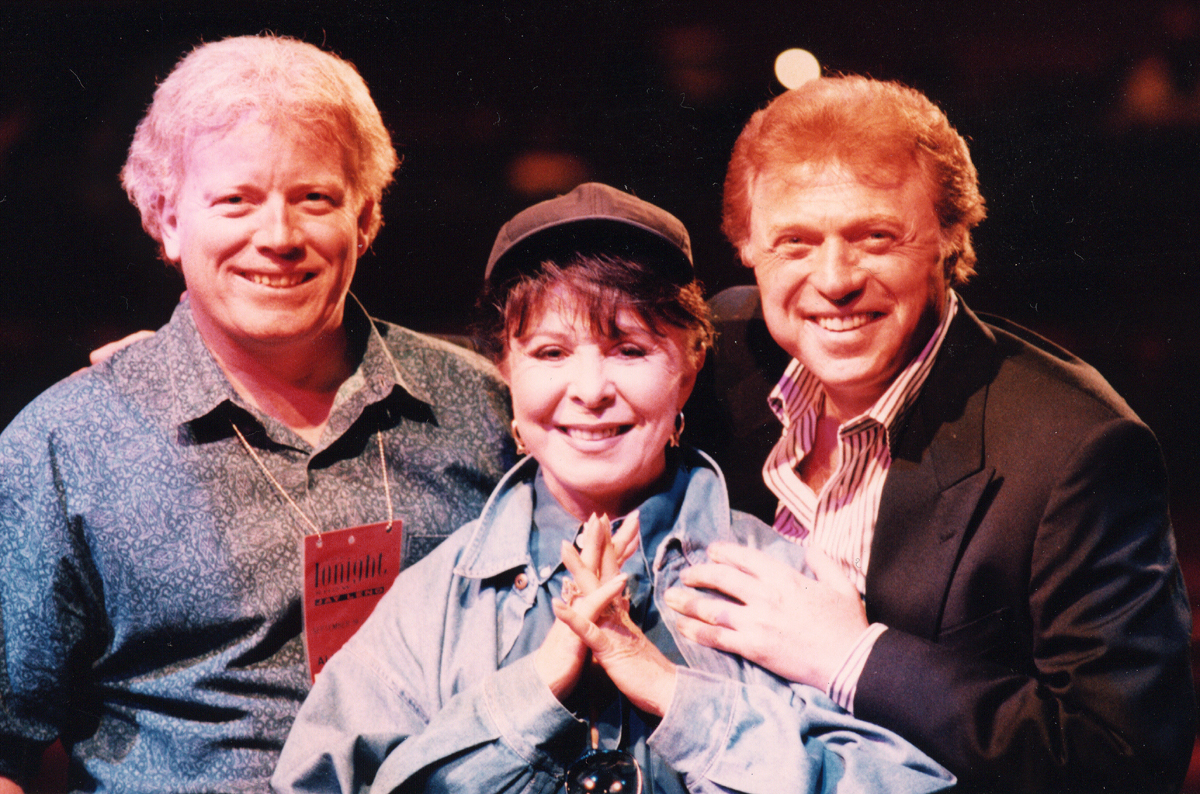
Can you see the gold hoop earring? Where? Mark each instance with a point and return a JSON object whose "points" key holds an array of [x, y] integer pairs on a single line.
{"points": [[674, 440], [516, 434]]}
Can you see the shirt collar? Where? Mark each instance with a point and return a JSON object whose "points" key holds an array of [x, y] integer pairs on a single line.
{"points": [[554, 524], [799, 393], [501, 538], [499, 541], [656, 516], [381, 370], [200, 386]]}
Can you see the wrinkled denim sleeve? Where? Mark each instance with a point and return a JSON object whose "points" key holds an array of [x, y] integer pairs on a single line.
{"points": [[728, 736], [732, 726], [500, 736], [398, 708], [494, 736]]}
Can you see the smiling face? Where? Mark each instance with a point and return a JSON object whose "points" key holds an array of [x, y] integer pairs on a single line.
{"points": [[597, 411], [267, 231], [850, 273]]}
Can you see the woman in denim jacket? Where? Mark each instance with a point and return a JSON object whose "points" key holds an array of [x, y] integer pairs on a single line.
{"points": [[526, 653]]}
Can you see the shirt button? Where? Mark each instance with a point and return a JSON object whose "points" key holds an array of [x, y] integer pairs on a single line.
{"points": [[521, 582]]}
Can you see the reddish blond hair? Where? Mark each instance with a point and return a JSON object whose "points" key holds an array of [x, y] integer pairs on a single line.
{"points": [[877, 129]]}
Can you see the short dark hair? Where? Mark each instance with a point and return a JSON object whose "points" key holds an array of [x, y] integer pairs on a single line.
{"points": [[604, 284]]}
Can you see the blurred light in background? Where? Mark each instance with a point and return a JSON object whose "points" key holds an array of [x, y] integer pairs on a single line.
{"points": [[539, 174], [795, 67], [695, 58]]}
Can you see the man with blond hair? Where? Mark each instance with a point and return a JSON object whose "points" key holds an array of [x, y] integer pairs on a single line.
{"points": [[153, 507], [986, 518]]}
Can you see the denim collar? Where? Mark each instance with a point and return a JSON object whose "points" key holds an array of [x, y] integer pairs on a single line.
{"points": [[696, 498]]}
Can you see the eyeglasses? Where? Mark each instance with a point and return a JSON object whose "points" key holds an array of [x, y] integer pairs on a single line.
{"points": [[604, 772]]}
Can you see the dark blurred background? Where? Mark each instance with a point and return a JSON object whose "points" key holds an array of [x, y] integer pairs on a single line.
{"points": [[1083, 118]]}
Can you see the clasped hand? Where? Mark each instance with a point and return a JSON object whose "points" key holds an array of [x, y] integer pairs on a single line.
{"points": [[597, 621]]}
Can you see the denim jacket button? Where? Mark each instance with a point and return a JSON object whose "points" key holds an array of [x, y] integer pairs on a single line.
{"points": [[521, 582]]}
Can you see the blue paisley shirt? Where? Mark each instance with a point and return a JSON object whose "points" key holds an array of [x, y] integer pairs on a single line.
{"points": [[150, 571]]}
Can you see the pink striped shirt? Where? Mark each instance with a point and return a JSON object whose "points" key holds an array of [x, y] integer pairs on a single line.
{"points": [[840, 520]]}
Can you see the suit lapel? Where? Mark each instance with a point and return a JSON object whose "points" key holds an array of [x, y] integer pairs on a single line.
{"points": [[934, 486]]}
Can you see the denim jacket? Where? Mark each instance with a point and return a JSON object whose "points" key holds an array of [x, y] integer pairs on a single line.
{"points": [[437, 691]]}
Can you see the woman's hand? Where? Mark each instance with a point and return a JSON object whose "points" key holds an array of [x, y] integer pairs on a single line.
{"points": [[612, 549], [600, 619], [560, 659]]}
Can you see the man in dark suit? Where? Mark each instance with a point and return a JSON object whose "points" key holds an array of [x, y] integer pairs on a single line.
{"points": [[996, 577]]}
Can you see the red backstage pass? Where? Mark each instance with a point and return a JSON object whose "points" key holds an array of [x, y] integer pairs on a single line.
{"points": [[346, 572]]}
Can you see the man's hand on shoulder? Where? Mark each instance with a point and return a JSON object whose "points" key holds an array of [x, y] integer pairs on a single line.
{"points": [[799, 628], [105, 351]]}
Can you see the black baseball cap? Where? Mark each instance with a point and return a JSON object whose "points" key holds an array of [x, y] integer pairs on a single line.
{"points": [[592, 218]]}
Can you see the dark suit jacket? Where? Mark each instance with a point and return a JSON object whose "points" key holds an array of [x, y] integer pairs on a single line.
{"points": [[1023, 561]]}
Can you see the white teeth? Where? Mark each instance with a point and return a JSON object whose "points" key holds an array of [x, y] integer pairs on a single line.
{"points": [[846, 323], [591, 435], [279, 281]]}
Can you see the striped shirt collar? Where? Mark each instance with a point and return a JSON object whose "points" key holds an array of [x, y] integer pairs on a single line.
{"points": [[799, 393]]}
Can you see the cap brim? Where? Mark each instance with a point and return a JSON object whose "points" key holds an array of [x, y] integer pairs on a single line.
{"points": [[591, 236]]}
